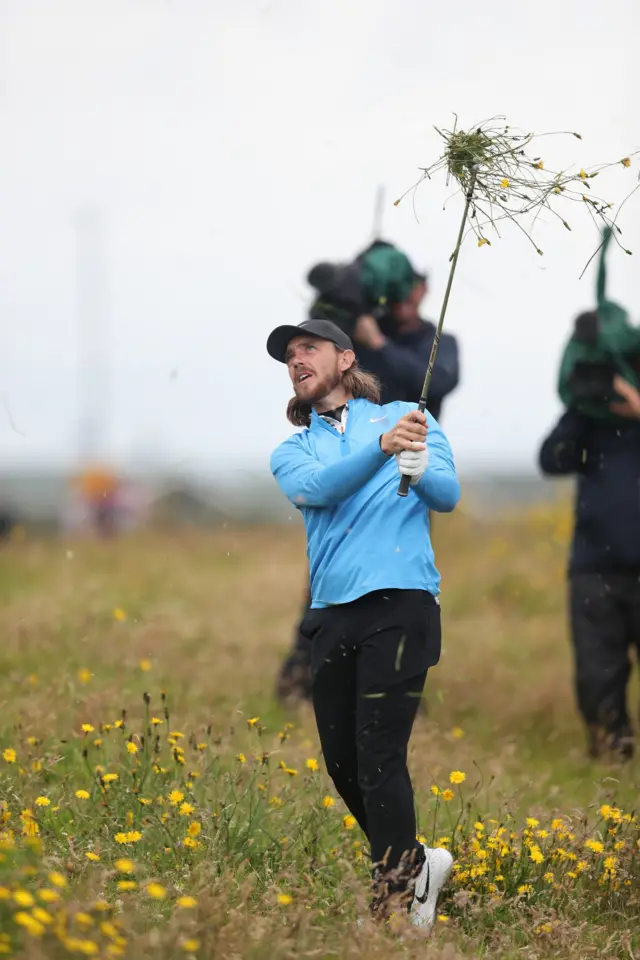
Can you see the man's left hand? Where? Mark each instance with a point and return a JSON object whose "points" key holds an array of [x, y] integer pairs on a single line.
{"points": [[630, 406], [413, 463], [368, 334]]}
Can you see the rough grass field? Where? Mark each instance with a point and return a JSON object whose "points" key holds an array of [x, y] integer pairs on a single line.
{"points": [[156, 802]]}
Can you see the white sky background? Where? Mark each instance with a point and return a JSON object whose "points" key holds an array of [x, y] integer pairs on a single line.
{"points": [[232, 143]]}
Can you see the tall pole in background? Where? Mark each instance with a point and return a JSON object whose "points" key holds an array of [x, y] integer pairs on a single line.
{"points": [[92, 335]]}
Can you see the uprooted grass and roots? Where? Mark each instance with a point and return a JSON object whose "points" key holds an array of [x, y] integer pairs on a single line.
{"points": [[139, 822]]}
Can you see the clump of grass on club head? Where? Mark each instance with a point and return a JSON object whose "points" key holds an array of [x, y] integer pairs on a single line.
{"points": [[503, 176]]}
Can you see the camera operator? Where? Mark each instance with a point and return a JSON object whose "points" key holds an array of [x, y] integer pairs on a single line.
{"points": [[603, 451]]}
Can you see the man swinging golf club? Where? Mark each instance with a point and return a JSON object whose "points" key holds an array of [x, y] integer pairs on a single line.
{"points": [[374, 620]]}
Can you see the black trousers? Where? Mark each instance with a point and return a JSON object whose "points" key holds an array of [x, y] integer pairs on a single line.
{"points": [[605, 627], [369, 665]]}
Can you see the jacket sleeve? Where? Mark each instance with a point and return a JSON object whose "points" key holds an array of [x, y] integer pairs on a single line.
{"points": [[306, 483], [439, 486], [410, 365], [565, 449]]}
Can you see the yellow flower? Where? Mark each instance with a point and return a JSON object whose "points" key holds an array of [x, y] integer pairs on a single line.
{"points": [[92, 856], [176, 797], [539, 165], [97, 742], [457, 776], [190, 843], [9, 755], [119, 614], [447, 795], [549, 877], [187, 903], [194, 829], [252, 722], [610, 863], [110, 777], [504, 183], [241, 757], [125, 866], [84, 675], [156, 721], [595, 845], [145, 665], [275, 802], [87, 728], [290, 771], [48, 896], [36, 766], [626, 162], [57, 879], [156, 891], [23, 898], [349, 822], [482, 241], [328, 802], [311, 764], [435, 790], [84, 919], [127, 885], [458, 733], [525, 889], [41, 915], [284, 899], [30, 924], [190, 946], [532, 822], [583, 174], [536, 854], [557, 824], [43, 802], [186, 810], [131, 747], [82, 794], [442, 918]]}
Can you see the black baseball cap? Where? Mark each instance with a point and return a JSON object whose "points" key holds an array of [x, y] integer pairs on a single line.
{"points": [[281, 337]]}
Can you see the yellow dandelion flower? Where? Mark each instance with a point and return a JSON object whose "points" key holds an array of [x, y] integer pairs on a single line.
{"points": [[595, 845], [458, 733], [187, 903], [119, 614], [43, 802], [84, 919], [156, 891], [525, 889], [536, 854], [190, 946], [87, 728], [9, 755], [48, 896], [84, 675], [144, 801], [29, 923], [241, 758], [443, 918], [290, 771], [201, 747], [275, 802], [252, 722], [549, 877], [92, 856], [447, 795], [36, 766], [311, 764], [145, 665], [23, 898], [131, 747], [435, 790], [195, 829], [190, 843], [57, 879], [97, 742], [504, 183], [176, 797], [110, 777], [5, 893], [177, 735], [156, 721], [482, 241], [284, 899], [539, 165], [328, 802], [457, 776], [127, 885], [125, 866], [626, 162], [532, 822], [82, 794], [557, 824], [610, 863], [186, 809], [583, 174], [42, 916], [349, 822]]}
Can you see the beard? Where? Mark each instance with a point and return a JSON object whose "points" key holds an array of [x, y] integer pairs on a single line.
{"points": [[317, 389]]}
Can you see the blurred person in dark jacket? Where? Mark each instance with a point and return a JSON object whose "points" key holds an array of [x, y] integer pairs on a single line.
{"points": [[597, 439], [394, 345]]}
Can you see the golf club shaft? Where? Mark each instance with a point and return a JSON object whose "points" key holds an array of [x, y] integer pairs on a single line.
{"points": [[405, 481]]}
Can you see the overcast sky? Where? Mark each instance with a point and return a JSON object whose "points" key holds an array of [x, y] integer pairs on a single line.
{"points": [[229, 144]]}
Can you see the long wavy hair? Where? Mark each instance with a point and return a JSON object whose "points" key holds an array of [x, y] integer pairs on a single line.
{"points": [[357, 383]]}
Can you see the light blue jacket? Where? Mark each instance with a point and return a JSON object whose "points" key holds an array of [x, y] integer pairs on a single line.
{"points": [[361, 536]]}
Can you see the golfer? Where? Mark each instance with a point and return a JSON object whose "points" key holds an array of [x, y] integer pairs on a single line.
{"points": [[374, 620]]}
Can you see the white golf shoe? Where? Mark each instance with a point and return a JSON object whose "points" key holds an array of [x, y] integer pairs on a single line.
{"points": [[429, 883]]}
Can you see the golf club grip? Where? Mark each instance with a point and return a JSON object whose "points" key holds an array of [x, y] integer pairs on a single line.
{"points": [[403, 489], [405, 481]]}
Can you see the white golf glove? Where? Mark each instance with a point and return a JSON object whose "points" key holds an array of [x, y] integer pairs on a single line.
{"points": [[413, 463]]}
